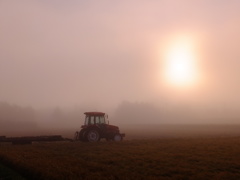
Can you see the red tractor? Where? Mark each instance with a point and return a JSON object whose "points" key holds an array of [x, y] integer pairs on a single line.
{"points": [[95, 128]]}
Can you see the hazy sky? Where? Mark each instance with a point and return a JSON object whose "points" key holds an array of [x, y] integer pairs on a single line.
{"points": [[99, 53]]}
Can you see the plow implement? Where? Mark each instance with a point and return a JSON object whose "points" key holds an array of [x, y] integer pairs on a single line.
{"points": [[30, 139]]}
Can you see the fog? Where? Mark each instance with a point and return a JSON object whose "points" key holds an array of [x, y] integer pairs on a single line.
{"points": [[60, 58]]}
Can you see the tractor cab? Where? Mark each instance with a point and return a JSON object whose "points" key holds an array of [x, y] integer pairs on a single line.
{"points": [[92, 118]]}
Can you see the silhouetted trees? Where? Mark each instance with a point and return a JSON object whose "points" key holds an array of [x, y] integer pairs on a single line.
{"points": [[60, 118], [144, 113], [13, 117]]}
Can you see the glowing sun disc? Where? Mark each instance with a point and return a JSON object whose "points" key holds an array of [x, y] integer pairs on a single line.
{"points": [[180, 63]]}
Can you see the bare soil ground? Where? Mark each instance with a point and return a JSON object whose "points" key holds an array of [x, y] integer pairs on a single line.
{"points": [[148, 152]]}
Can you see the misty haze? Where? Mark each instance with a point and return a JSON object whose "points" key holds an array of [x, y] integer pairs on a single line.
{"points": [[165, 72], [162, 62]]}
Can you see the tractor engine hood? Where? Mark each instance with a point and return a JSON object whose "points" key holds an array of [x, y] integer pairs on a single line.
{"points": [[113, 127]]}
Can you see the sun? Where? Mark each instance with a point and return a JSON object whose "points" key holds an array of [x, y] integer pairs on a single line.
{"points": [[180, 67]]}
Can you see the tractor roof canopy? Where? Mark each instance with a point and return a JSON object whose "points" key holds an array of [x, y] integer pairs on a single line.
{"points": [[94, 113]]}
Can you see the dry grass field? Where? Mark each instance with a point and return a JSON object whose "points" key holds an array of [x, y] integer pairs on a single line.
{"points": [[199, 156]]}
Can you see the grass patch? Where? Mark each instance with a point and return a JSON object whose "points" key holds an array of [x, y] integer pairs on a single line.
{"points": [[7, 174]]}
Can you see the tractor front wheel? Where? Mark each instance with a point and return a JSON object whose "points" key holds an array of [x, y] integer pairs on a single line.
{"points": [[93, 136], [117, 137]]}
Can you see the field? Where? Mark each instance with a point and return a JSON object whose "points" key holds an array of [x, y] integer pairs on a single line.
{"points": [[190, 155]]}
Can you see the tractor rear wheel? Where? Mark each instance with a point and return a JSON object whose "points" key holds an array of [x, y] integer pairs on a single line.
{"points": [[93, 136], [82, 135]]}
